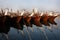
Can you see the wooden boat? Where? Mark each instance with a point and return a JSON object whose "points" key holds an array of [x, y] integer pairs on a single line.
{"points": [[51, 18], [36, 20], [44, 20]]}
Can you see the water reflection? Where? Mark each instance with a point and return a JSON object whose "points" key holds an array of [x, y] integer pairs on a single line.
{"points": [[36, 33]]}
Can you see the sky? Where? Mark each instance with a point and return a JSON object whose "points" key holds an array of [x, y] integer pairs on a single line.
{"points": [[52, 5]]}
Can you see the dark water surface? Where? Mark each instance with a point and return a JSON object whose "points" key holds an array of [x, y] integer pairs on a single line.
{"points": [[35, 33]]}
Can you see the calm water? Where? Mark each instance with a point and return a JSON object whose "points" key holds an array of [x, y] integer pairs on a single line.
{"points": [[35, 33]]}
